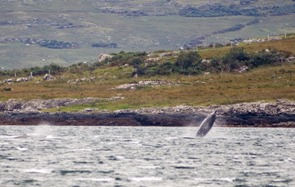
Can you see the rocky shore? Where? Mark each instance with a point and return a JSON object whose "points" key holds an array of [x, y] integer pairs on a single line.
{"points": [[280, 113]]}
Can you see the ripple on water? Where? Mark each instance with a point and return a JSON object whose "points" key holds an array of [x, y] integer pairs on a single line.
{"points": [[217, 181], [111, 156], [69, 172], [184, 167]]}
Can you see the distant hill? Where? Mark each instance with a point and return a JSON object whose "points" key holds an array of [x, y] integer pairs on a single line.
{"points": [[37, 32]]}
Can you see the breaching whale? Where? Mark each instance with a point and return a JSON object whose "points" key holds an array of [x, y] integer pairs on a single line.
{"points": [[206, 124]]}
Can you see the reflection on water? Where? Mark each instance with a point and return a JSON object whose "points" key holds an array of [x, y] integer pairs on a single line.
{"points": [[145, 156]]}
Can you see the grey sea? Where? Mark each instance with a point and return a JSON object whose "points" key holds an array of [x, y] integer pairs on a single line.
{"points": [[47, 155]]}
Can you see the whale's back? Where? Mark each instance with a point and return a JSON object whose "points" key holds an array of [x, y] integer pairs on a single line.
{"points": [[206, 124]]}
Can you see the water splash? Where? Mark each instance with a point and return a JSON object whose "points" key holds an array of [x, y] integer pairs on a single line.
{"points": [[42, 130]]}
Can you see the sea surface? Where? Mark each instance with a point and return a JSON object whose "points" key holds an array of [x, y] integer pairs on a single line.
{"points": [[50, 156]]}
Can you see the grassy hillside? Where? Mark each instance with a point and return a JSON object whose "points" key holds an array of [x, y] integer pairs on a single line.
{"points": [[264, 83], [286, 45], [261, 84], [133, 25]]}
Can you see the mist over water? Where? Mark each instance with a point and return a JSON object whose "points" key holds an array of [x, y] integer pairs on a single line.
{"points": [[145, 156]]}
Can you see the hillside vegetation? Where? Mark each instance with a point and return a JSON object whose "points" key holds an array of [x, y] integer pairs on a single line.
{"points": [[38, 32], [165, 78]]}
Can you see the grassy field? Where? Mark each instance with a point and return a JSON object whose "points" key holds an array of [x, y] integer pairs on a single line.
{"points": [[268, 84], [142, 33], [264, 83], [286, 45]]}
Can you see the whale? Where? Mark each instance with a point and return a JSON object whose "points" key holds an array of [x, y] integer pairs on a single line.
{"points": [[206, 124]]}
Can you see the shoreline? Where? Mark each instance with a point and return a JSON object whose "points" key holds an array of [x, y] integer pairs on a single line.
{"points": [[280, 113]]}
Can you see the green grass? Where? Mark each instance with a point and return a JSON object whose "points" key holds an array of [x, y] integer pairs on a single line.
{"points": [[146, 33], [264, 83], [268, 83], [285, 45]]}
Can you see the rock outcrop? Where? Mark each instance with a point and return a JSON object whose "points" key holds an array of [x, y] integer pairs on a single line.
{"points": [[256, 114], [151, 83], [277, 114], [104, 57], [21, 106], [92, 119]]}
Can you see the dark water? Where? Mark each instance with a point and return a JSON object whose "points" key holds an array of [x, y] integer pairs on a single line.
{"points": [[145, 156]]}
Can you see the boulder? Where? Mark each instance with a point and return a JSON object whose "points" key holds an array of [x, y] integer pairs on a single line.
{"points": [[103, 57], [48, 77]]}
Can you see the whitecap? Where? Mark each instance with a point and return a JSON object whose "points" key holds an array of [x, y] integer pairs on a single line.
{"points": [[289, 160], [34, 170], [171, 138], [11, 158], [120, 157], [149, 167], [79, 150], [139, 179], [21, 148], [134, 142], [52, 137], [224, 179], [13, 136], [96, 179], [5, 137]]}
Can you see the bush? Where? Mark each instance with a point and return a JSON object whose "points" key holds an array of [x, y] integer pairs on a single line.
{"points": [[236, 54], [53, 68], [236, 58], [187, 59], [166, 69], [265, 58], [126, 58], [187, 63], [151, 70]]}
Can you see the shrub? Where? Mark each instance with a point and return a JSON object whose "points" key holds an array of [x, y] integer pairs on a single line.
{"points": [[234, 59], [125, 58], [166, 69], [265, 58], [187, 59], [236, 54]]}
